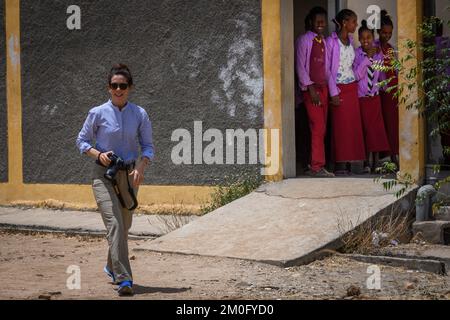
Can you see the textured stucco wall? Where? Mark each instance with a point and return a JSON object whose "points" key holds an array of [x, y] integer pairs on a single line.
{"points": [[3, 112], [197, 60]]}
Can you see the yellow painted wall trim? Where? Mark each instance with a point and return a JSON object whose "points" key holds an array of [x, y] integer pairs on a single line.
{"points": [[412, 127], [82, 194], [14, 92], [271, 35]]}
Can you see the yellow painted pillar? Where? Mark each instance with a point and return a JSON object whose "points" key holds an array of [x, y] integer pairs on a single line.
{"points": [[279, 104], [271, 32], [412, 127], [13, 95]]}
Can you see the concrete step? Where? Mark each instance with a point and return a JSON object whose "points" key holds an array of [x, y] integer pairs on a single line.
{"points": [[427, 265], [434, 232], [287, 223], [422, 252]]}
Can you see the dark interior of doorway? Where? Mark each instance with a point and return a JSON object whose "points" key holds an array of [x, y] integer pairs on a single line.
{"points": [[302, 132], [429, 10], [434, 150]]}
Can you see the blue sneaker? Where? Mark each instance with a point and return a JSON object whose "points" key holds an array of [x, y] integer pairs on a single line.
{"points": [[125, 288], [110, 274]]}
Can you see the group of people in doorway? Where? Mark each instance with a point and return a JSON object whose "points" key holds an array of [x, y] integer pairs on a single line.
{"points": [[341, 82]]}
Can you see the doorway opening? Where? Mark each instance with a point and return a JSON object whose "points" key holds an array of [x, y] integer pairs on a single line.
{"points": [[301, 9]]}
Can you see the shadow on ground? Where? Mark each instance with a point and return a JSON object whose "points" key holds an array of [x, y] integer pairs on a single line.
{"points": [[138, 289]]}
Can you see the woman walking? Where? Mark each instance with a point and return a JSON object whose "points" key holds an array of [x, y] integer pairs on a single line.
{"points": [[124, 148]]}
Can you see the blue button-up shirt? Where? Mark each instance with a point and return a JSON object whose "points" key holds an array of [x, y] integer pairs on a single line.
{"points": [[120, 131]]}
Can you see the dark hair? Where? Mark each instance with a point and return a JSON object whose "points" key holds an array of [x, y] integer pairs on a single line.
{"points": [[313, 13], [120, 69], [386, 19], [342, 16], [364, 27]]}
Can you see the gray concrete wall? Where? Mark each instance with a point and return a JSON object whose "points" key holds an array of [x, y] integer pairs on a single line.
{"points": [[443, 12], [360, 7], [197, 60], [3, 114]]}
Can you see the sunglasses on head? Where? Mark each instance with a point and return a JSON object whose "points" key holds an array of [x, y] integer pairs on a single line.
{"points": [[122, 86]]}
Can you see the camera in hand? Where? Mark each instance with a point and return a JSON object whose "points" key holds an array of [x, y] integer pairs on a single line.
{"points": [[116, 164]]}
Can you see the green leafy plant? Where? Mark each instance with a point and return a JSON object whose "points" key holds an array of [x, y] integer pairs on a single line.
{"points": [[424, 69], [401, 182], [235, 187]]}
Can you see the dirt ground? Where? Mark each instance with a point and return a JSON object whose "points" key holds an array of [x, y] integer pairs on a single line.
{"points": [[33, 266]]}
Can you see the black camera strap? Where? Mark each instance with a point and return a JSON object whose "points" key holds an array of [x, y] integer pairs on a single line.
{"points": [[117, 189], [130, 191]]}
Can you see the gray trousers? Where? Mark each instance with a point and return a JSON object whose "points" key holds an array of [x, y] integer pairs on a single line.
{"points": [[117, 221]]}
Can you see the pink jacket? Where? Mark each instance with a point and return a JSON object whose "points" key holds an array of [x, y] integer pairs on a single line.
{"points": [[360, 67], [303, 49], [334, 55]]}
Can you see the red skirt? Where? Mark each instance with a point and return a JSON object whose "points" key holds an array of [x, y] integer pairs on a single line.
{"points": [[390, 115], [373, 124], [347, 133]]}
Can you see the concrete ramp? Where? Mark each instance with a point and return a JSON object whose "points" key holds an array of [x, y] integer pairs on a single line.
{"points": [[286, 223]]}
